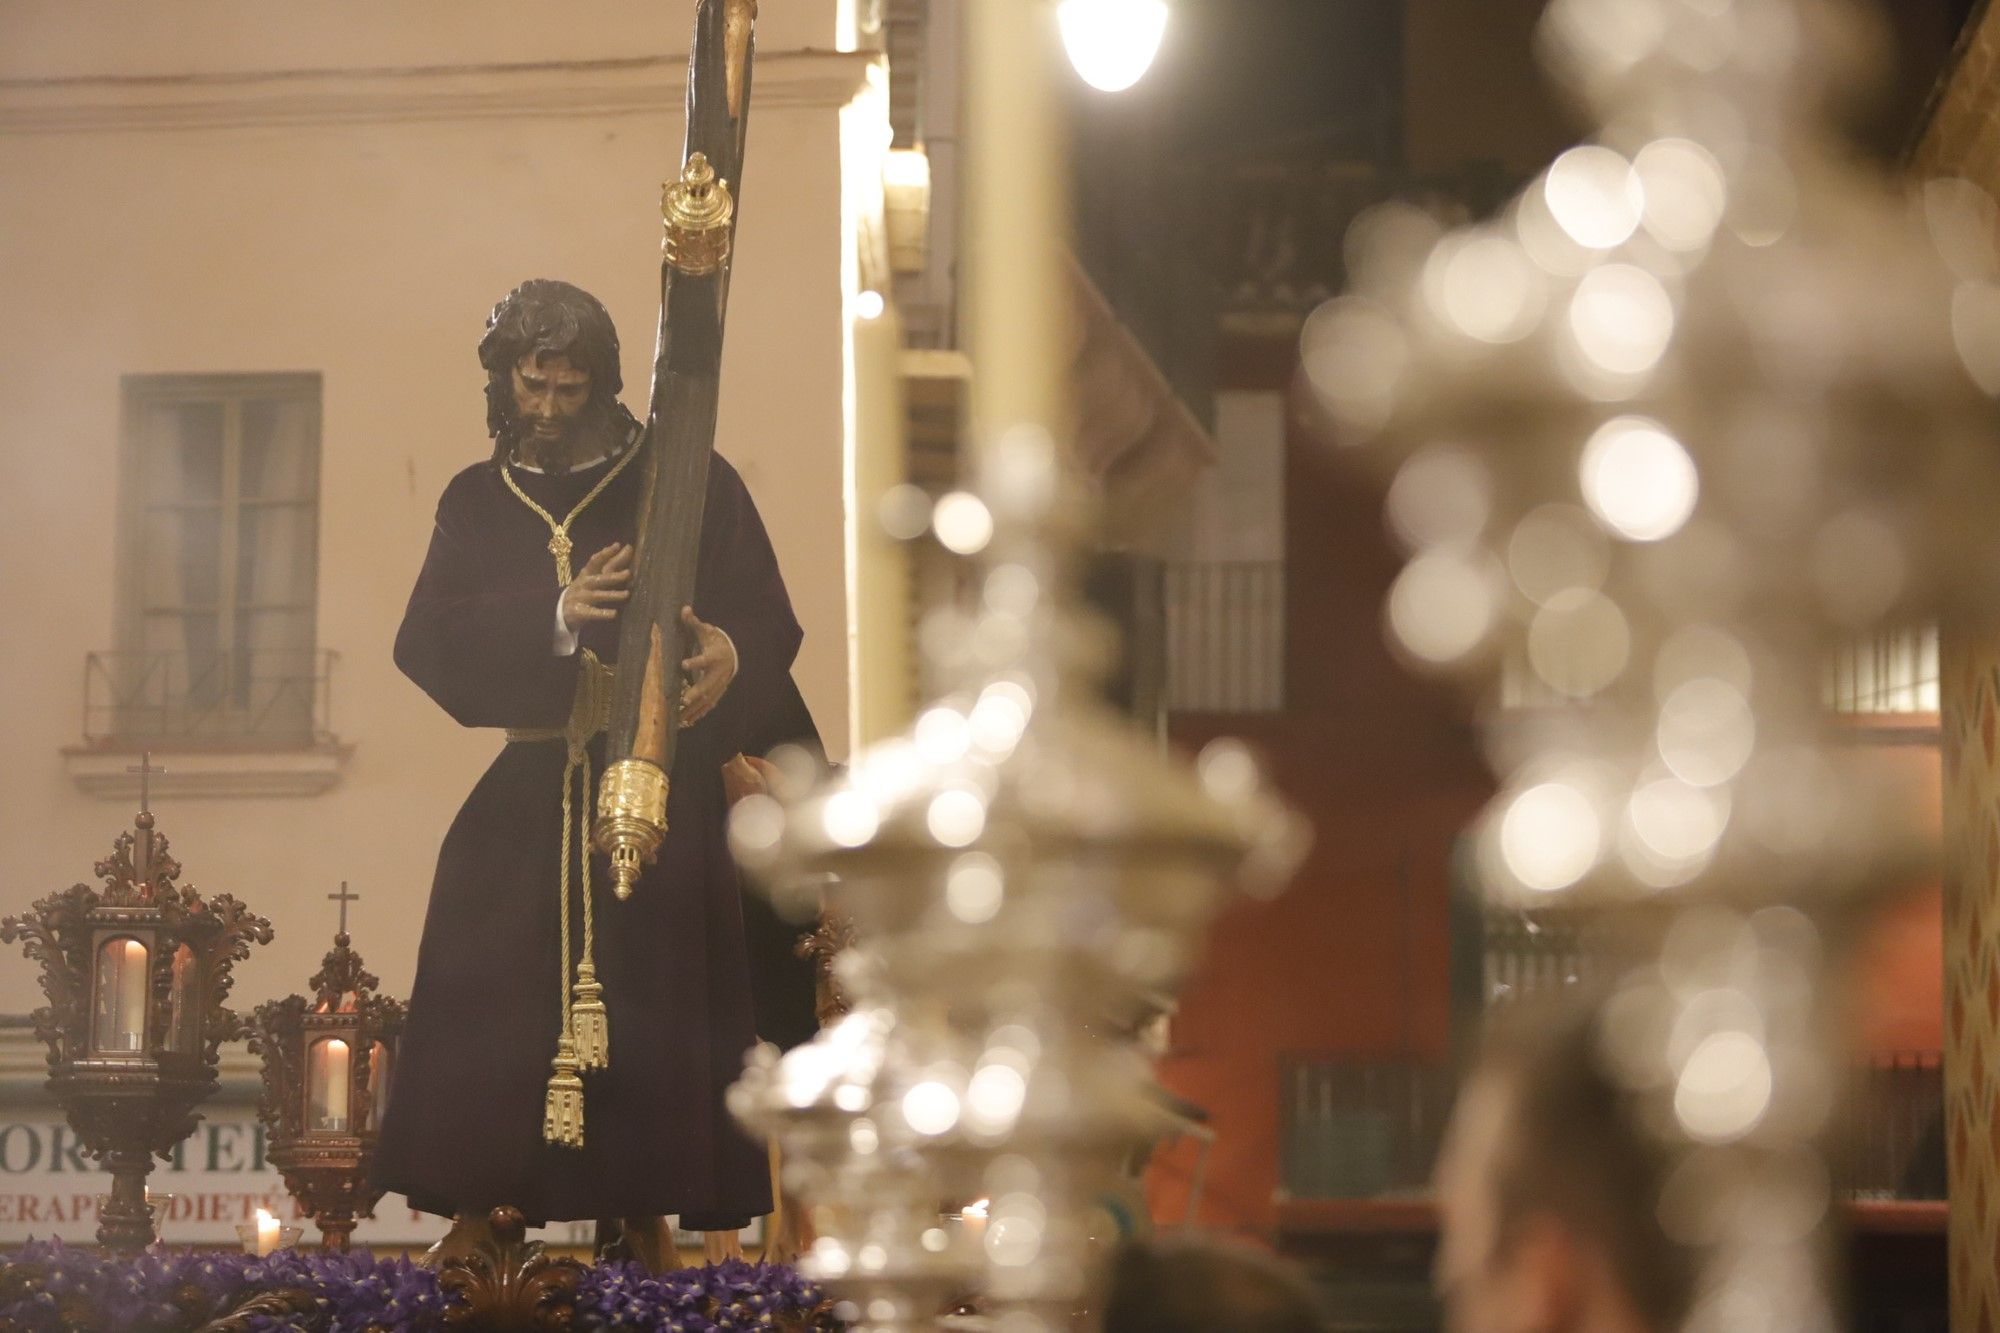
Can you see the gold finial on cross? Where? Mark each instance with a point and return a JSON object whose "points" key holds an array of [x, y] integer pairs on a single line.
{"points": [[343, 898]]}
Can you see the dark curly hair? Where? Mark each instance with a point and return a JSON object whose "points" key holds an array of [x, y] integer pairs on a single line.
{"points": [[544, 317]]}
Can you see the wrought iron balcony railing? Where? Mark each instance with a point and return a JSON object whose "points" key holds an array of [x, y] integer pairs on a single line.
{"points": [[1888, 1130], [1896, 672], [1226, 636], [1890, 674], [1353, 1127], [271, 697]]}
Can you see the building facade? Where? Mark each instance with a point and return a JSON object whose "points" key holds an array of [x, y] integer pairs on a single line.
{"points": [[250, 258]]}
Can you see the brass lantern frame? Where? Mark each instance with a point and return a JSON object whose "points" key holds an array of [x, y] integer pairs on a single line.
{"points": [[128, 1105], [328, 1171]]}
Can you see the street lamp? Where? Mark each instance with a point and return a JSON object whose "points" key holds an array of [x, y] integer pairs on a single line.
{"points": [[1112, 42]]}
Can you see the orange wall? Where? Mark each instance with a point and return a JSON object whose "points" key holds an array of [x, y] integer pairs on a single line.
{"points": [[1354, 958], [1898, 1000]]}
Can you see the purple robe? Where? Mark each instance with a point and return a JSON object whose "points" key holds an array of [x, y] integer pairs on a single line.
{"points": [[464, 1124]]}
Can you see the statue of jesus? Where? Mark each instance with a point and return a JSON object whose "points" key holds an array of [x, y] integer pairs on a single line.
{"points": [[510, 626]]}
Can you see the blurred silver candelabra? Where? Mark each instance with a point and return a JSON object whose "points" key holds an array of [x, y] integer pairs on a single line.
{"points": [[1704, 401], [1026, 874]]}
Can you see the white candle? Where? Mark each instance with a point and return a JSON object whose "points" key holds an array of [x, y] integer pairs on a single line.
{"points": [[973, 1217], [121, 996], [378, 1084], [332, 1080], [267, 1233]]}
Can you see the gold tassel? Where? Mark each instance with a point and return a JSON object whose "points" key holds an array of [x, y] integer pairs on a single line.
{"points": [[590, 1024], [562, 1114], [585, 1035]]}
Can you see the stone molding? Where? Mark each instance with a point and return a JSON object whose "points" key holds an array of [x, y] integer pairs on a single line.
{"points": [[642, 85], [309, 770]]}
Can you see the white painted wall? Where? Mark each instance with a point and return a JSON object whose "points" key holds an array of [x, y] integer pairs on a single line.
{"points": [[360, 225], [125, 38]]}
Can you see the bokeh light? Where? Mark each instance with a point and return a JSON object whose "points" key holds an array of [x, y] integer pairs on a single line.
{"points": [[1621, 320], [1550, 836], [1706, 731], [1685, 192], [1638, 479], [1724, 1088], [1579, 642], [1443, 496], [1555, 549], [931, 1108], [1443, 605], [1595, 196], [1486, 288], [963, 523]]}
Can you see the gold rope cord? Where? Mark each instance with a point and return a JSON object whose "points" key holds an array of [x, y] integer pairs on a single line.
{"points": [[562, 1112], [560, 545], [590, 1023], [585, 1037]]}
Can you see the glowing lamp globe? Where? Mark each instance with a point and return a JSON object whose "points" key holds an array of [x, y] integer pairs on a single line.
{"points": [[1112, 42]]}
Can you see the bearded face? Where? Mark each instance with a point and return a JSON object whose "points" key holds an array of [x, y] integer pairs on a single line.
{"points": [[555, 424], [552, 378]]}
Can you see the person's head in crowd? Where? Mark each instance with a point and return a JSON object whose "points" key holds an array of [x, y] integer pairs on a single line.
{"points": [[1202, 1284], [1548, 1191]]}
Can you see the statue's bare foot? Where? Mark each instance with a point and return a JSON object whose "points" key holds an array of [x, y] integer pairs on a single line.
{"points": [[469, 1231], [791, 1233], [645, 1239], [717, 1246]]}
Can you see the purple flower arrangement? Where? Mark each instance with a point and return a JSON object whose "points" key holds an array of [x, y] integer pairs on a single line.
{"points": [[727, 1296], [49, 1287]]}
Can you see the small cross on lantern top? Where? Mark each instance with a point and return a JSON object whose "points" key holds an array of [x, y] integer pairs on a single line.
{"points": [[145, 768], [343, 898], [143, 860]]}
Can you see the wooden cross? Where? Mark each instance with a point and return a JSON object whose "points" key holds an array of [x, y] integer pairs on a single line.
{"points": [[145, 769], [343, 898]]}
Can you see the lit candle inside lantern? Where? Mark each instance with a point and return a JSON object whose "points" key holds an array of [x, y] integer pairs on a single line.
{"points": [[267, 1233], [378, 1083], [973, 1217], [121, 996], [331, 1084]]}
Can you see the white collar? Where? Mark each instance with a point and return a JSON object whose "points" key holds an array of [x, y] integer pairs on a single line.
{"points": [[573, 472], [631, 438]]}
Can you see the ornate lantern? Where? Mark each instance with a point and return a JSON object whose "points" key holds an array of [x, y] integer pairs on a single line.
{"points": [[327, 1064], [136, 974]]}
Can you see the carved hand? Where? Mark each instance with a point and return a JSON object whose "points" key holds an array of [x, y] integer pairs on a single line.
{"points": [[596, 593], [709, 671], [747, 775]]}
